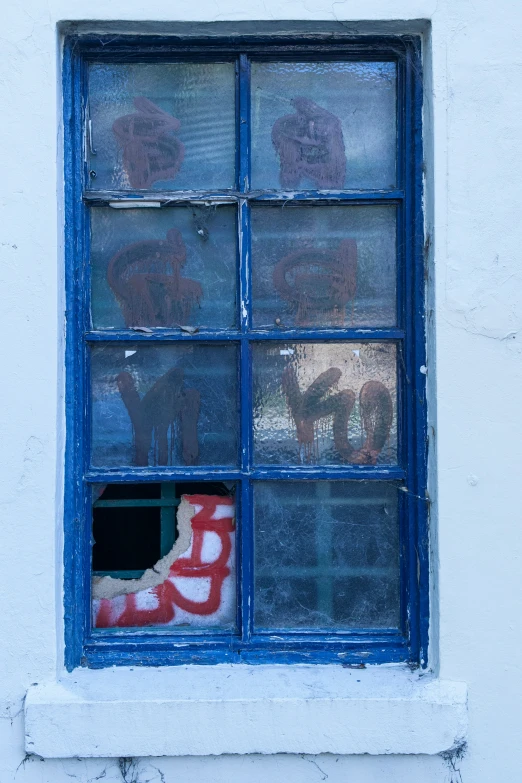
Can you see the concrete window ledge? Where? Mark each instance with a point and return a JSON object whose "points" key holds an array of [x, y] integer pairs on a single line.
{"points": [[209, 710]]}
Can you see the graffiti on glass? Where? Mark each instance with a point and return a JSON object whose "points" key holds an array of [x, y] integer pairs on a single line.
{"points": [[310, 146], [318, 284], [154, 414], [316, 403], [146, 279], [151, 152]]}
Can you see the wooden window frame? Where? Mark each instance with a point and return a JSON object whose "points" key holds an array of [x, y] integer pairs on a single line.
{"points": [[166, 645]]}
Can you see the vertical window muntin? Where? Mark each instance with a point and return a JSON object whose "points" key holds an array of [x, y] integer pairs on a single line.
{"points": [[248, 473]]}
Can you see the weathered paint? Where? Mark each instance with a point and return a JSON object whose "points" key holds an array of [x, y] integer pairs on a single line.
{"points": [[409, 641], [473, 170]]}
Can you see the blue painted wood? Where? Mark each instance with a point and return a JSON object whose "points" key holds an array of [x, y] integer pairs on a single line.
{"points": [[418, 345], [131, 475], [73, 627], [404, 424], [360, 196], [102, 198], [168, 335], [211, 473], [245, 542], [163, 646], [339, 46], [331, 472], [76, 540], [177, 654]]}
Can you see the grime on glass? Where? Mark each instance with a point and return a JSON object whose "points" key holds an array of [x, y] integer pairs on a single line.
{"points": [[247, 436]]}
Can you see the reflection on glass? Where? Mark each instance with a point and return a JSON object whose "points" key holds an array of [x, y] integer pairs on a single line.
{"points": [[326, 555], [166, 559], [323, 266], [323, 125], [325, 403], [169, 267], [162, 126], [164, 405]]}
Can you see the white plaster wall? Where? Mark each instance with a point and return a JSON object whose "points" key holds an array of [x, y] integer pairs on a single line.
{"points": [[475, 170]]}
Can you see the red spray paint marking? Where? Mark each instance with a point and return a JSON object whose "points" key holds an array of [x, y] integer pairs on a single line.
{"points": [[324, 281], [150, 151], [145, 278], [191, 566], [154, 415], [308, 407], [310, 145]]}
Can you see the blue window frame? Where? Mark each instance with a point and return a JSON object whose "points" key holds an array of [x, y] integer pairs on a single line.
{"points": [[257, 336]]}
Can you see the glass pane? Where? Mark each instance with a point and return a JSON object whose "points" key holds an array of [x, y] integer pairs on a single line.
{"points": [[326, 554], [165, 561], [168, 126], [323, 125], [323, 266], [164, 404], [325, 403], [169, 267]]}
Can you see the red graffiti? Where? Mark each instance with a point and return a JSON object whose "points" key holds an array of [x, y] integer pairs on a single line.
{"points": [[212, 517], [316, 403], [150, 151], [145, 278], [310, 145], [318, 283], [154, 415]]}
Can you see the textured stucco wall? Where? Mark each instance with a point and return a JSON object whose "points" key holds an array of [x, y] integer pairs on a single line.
{"points": [[474, 169]]}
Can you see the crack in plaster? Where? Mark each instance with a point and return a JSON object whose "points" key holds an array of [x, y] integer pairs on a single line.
{"points": [[454, 756], [129, 769], [312, 761]]}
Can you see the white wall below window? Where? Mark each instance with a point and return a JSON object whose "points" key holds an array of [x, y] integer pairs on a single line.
{"points": [[474, 170]]}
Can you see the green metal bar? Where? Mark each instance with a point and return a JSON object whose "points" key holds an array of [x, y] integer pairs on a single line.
{"points": [[168, 518], [120, 574], [323, 543], [318, 572], [129, 503]]}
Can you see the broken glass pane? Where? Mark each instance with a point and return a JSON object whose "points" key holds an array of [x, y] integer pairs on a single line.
{"points": [[167, 268], [168, 126], [126, 527], [325, 403], [323, 125], [164, 558], [323, 266], [326, 555], [156, 405]]}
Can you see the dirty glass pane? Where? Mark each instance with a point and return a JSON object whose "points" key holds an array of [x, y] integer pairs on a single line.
{"points": [[323, 266], [162, 126], [323, 125], [326, 554], [164, 404], [163, 267], [164, 560], [324, 403]]}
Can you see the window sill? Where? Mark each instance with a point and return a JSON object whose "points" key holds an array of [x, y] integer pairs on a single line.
{"points": [[210, 710]]}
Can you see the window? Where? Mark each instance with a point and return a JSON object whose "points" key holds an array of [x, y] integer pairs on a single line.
{"points": [[246, 417]]}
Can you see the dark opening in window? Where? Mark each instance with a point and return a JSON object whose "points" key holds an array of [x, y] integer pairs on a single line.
{"points": [[134, 525]]}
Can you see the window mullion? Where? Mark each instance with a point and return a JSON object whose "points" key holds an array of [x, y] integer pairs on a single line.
{"points": [[246, 544]]}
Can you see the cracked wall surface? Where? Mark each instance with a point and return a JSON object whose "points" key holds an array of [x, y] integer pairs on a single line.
{"points": [[473, 121]]}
